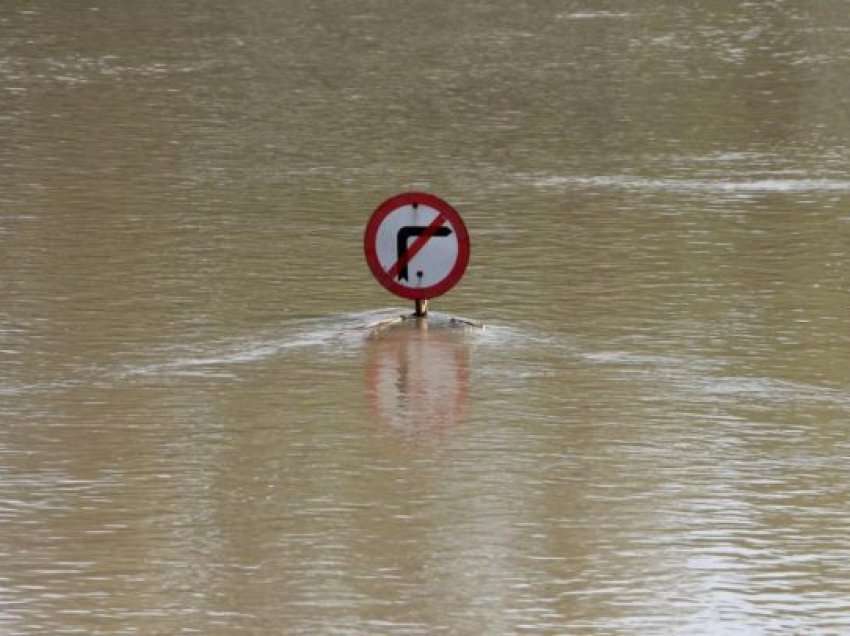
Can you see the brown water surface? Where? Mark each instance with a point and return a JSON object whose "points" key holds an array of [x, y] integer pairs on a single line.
{"points": [[199, 432]]}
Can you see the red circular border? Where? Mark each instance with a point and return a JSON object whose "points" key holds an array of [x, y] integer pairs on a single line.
{"points": [[452, 216]]}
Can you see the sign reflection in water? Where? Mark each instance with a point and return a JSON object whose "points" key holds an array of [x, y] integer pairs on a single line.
{"points": [[417, 378]]}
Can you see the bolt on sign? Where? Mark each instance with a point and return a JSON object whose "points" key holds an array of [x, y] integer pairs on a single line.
{"points": [[416, 245]]}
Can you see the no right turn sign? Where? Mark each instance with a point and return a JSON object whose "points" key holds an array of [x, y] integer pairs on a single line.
{"points": [[416, 245]]}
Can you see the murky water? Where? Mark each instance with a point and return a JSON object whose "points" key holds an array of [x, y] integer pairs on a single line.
{"points": [[201, 433]]}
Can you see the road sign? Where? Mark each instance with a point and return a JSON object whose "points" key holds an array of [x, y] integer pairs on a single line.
{"points": [[416, 245]]}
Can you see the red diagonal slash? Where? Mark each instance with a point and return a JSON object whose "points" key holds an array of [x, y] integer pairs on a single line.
{"points": [[416, 246]]}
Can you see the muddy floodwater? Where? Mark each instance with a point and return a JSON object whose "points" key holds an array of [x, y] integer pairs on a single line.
{"points": [[201, 431]]}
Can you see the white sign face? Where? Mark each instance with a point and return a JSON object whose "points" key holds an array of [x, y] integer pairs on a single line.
{"points": [[398, 232], [416, 245]]}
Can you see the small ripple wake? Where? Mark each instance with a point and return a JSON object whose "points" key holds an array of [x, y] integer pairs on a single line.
{"points": [[342, 332], [339, 333]]}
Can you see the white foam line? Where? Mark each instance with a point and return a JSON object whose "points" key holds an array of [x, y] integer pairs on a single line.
{"points": [[591, 16], [243, 355], [772, 389], [698, 185], [700, 376]]}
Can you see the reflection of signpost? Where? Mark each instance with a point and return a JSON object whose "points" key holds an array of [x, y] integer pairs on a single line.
{"points": [[418, 380], [419, 234]]}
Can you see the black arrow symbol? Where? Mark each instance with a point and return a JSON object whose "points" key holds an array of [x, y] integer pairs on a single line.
{"points": [[405, 234]]}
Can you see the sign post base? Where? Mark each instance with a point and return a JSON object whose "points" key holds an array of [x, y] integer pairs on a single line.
{"points": [[420, 308]]}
